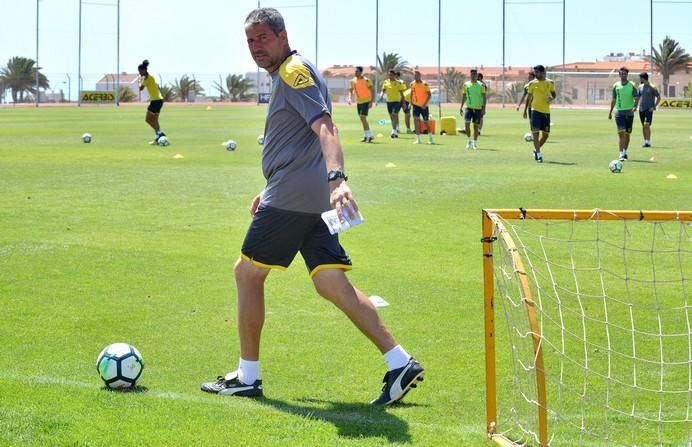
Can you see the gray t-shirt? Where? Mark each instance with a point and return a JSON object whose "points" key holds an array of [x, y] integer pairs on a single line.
{"points": [[292, 159], [648, 94]]}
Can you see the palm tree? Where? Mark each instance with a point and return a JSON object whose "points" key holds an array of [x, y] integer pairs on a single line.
{"points": [[389, 61], [167, 92], [515, 91], [20, 76], [186, 88], [236, 89], [127, 95], [453, 82], [668, 59]]}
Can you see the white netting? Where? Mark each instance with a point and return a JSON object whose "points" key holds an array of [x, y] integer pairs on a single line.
{"points": [[613, 306]]}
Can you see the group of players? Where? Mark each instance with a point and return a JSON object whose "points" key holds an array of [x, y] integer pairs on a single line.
{"points": [[539, 93], [415, 98]]}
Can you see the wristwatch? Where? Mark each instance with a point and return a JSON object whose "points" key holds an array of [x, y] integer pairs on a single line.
{"points": [[333, 175]]}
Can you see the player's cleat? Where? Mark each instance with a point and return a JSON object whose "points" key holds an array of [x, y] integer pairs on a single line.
{"points": [[229, 385], [538, 156], [398, 382], [431, 142], [475, 144], [646, 145], [369, 140], [364, 140], [623, 156]]}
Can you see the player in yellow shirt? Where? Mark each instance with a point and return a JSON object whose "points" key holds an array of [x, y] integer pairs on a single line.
{"points": [[148, 81], [541, 92], [364, 92], [394, 89], [420, 97]]}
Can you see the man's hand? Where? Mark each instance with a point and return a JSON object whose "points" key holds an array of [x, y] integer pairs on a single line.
{"points": [[341, 198], [255, 203], [610, 115], [526, 114]]}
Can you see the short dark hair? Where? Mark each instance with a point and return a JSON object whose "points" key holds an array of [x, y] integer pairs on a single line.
{"points": [[531, 73], [625, 69], [392, 72], [540, 68], [269, 16], [480, 75], [144, 65], [644, 75], [473, 70], [398, 73], [359, 68]]}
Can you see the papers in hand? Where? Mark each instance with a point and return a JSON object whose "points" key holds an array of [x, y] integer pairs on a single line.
{"points": [[335, 225]]}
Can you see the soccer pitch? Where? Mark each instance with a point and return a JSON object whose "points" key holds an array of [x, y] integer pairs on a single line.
{"points": [[117, 240]]}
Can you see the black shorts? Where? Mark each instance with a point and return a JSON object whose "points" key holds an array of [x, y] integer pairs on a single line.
{"points": [[406, 107], [624, 121], [422, 112], [646, 117], [540, 121], [473, 115], [363, 109], [155, 106], [393, 107], [275, 236]]}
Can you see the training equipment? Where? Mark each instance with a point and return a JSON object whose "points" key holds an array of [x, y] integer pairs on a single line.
{"points": [[429, 128], [615, 166], [528, 137], [448, 125], [230, 145], [120, 365], [398, 382], [596, 343], [260, 140], [86, 138], [163, 141]]}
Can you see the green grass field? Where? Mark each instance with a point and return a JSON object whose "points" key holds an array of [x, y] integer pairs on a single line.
{"points": [[119, 241]]}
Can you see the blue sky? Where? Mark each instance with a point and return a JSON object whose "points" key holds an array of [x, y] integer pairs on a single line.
{"points": [[206, 38]]}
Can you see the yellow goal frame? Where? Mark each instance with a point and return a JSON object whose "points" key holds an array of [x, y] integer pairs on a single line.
{"points": [[492, 218]]}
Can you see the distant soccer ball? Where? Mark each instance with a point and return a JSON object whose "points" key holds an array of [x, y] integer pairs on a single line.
{"points": [[260, 140], [230, 145], [615, 166], [163, 141], [86, 138], [528, 137], [120, 365]]}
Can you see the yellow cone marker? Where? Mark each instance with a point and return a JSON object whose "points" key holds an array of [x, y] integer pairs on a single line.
{"points": [[672, 176], [653, 158], [178, 156], [390, 165]]}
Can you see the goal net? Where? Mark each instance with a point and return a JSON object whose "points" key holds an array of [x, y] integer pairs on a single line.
{"points": [[594, 344]]}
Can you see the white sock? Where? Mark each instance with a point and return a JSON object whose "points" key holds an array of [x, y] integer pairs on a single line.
{"points": [[248, 371], [418, 138], [396, 357]]}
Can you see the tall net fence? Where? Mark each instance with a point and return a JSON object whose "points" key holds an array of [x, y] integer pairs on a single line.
{"points": [[597, 335]]}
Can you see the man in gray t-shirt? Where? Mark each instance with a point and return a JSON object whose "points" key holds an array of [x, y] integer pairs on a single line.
{"points": [[303, 163], [648, 101]]}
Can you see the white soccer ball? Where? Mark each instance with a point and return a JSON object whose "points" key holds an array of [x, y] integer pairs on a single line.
{"points": [[528, 136], [86, 138], [163, 141], [615, 166], [120, 365], [260, 140], [230, 145]]}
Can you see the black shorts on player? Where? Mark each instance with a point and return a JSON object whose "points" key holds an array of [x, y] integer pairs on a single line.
{"points": [[155, 106], [421, 112], [393, 107], [540, 122], [275, 237], [363, 108]]}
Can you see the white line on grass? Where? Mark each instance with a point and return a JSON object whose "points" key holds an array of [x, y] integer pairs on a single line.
{"points": [[235, 402]]}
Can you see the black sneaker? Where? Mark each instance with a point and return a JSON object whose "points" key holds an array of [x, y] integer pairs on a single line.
{"points": [[231, 386], [399, 381], [369, 140], [646, 145], [364, 140]]}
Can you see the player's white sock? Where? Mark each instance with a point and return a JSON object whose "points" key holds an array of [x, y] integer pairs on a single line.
{"points": [[418, 138], [248, 371], [430, 137], [396, 357]]}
